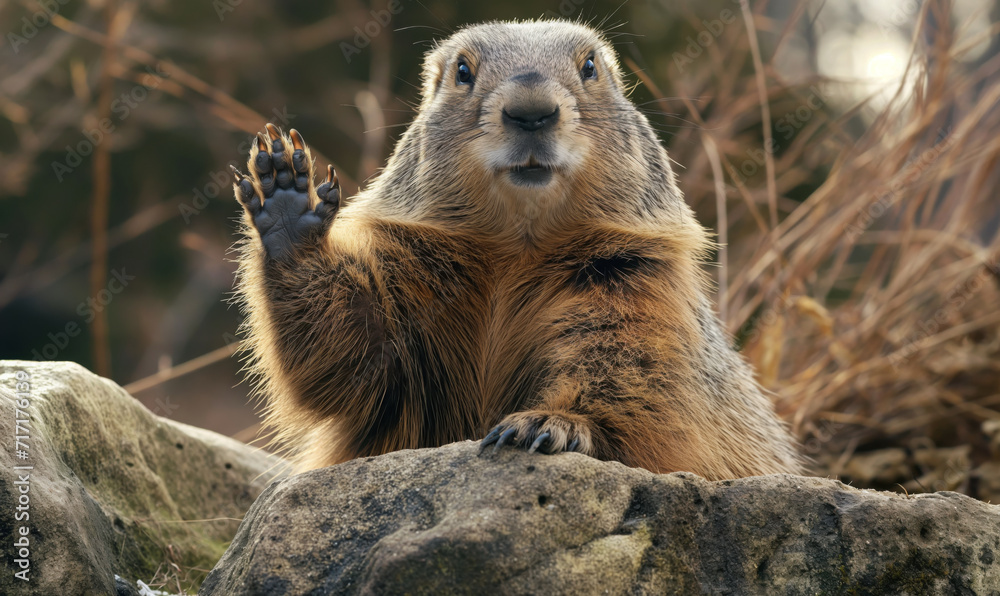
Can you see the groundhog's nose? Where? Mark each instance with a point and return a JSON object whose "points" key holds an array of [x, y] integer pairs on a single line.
{"points": [[531, 117]]}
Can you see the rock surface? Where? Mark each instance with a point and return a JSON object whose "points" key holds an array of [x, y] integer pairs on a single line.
{"points": [[110, 486], [444, 521]]}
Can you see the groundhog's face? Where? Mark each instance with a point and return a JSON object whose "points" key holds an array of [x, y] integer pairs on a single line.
{"points": [[524, 108]]}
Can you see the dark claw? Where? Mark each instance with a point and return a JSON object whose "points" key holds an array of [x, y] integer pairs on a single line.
{"points": [[489, 439], [331, 175], [510, 432], [329, 192], [246, 191], [332, 183], [538, 442], [297, 142], [277, 146], [248, 196], [573, 445]]}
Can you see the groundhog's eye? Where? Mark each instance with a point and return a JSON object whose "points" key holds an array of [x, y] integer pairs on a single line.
{"points": [[464, 74], [589, 70]]}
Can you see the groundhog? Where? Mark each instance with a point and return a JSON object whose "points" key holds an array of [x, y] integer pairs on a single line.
{"points": [[524, 271]]}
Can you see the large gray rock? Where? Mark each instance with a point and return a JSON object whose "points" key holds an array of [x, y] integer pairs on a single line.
{"points": [[444, 521], [112, 489]]}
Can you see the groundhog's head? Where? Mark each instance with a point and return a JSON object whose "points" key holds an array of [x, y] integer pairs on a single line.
{"points": [[531, 119]]}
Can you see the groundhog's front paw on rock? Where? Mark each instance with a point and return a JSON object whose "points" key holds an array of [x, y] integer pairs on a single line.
{"points": [[545, 432], [285, 208]]}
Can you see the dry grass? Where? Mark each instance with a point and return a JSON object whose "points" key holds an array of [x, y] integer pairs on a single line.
{"points": [[872, 310]]}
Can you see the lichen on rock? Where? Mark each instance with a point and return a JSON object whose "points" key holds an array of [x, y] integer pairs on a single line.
{"points": [[112, 489]]}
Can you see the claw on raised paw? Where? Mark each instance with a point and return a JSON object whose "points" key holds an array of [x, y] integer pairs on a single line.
{"points": [[261, 143], [297, 141], [273, 131]]}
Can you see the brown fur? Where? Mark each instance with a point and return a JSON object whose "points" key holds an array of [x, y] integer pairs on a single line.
{"points": [[444, 300]]}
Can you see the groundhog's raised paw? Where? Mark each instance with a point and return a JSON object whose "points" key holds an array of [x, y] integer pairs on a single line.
{"points": [[545, 432], [285, 208]]}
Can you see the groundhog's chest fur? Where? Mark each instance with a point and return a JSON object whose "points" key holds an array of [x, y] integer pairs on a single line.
{"points": [[524, 271]]}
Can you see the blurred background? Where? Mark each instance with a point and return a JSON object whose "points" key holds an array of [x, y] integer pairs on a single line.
{"points": [[844, 151]]}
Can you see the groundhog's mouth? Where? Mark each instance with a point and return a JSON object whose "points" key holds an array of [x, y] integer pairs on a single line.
{"points": [[532, 173]]}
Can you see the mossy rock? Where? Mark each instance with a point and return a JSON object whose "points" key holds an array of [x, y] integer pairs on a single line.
{"points": [[114, 489]]}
